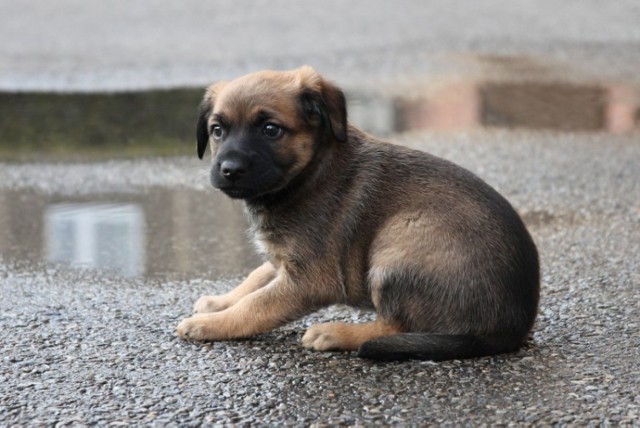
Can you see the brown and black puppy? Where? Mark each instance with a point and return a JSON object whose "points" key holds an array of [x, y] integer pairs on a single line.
{"points": [[442, 258]]}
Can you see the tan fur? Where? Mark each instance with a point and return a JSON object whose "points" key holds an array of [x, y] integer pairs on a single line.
{"points": [[337, 336], [256, 280], [259, 311]]}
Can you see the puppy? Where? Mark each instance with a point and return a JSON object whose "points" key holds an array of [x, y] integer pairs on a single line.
{"points": [[442, 258]]}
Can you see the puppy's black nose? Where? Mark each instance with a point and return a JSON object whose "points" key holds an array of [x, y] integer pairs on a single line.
{"points": [[232, 169]]}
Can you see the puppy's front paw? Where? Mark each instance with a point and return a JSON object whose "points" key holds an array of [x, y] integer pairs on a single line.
{"points": [[322, 337], [207, 304], [197, 327]]}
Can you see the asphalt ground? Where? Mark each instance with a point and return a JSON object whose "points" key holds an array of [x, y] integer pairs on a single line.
{"points": [[82, 348]]}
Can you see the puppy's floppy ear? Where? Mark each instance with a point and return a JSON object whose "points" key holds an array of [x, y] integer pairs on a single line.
{"points": [[323, 99], [204, 110], [202, 131], [336, 106]]}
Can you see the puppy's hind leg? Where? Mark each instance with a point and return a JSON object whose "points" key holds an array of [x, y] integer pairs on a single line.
{"points": [[256, 280], [337, 336]]}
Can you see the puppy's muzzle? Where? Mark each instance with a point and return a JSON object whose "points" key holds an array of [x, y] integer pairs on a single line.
{"points": [[243, 172], [235, 175], [233, 170]]}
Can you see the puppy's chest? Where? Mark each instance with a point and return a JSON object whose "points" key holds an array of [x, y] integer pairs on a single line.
{"points": [[271, 239], [269, 244]]}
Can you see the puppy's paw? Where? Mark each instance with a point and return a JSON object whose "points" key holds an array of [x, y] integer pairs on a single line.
{"points": [[207, 304], [197, 327], [323, 337]]}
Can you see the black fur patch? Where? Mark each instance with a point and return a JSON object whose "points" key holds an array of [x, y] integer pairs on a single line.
{"points": [[437, 347], [202, 131]]}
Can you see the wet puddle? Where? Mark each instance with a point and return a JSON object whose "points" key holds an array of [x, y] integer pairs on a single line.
{"points": [[187, 233], [160, 233]]}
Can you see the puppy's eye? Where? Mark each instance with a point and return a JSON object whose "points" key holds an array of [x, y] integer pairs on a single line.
{"points": [[217, 132], [272, 131]]}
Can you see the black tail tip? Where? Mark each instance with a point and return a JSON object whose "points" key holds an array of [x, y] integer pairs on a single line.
{"points": [[373, 350], [437, 347]]}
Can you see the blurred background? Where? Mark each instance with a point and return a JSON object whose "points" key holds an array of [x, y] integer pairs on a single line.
{"points": [[122, 78], [86, 81]]}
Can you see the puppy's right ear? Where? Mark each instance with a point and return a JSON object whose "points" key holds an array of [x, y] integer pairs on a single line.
{"points": [[202, 131], [204, 110]]}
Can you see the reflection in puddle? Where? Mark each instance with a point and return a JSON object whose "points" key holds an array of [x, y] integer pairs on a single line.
{"points": [[162, 232], [106, 236]]}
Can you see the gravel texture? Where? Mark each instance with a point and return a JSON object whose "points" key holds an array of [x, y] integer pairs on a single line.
{"points": [[81, 348]]}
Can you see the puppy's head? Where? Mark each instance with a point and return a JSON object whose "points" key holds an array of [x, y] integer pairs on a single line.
{"points": [[264, 128]]}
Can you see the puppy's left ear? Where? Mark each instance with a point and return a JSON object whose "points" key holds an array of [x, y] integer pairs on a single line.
{"points": [[336, 106], [324, 100], [204, 110]]}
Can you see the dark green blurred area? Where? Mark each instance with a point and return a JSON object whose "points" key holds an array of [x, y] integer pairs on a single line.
{"points": [[69, 127]]}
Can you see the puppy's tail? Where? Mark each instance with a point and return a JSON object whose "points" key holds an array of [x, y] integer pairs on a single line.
{"points": [[437, 347]]}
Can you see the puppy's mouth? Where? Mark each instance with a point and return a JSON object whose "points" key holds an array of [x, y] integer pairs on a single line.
{"points": [[249, 186], [237, 192]]}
